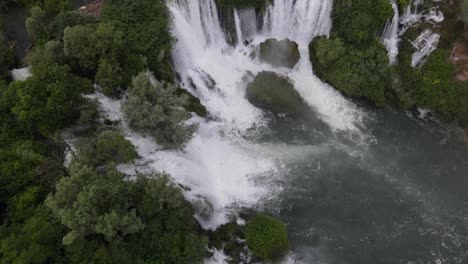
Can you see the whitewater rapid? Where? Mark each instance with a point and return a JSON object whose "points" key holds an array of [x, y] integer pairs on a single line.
{"points": [[220, 164], [229, 165], [224, 168]]}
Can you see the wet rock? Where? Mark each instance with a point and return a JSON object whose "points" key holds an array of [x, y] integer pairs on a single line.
{"points": [[274, 93], [283, 53]]}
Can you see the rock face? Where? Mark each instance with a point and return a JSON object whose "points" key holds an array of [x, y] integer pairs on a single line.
{"points": [[275, 93], [283, 53]]}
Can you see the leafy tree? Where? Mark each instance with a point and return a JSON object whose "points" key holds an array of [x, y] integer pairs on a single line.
{"points": [[88, 43], [36, 241], [157, 110], [360, 73], [67, 19], [109, 146], [112, 146], [87, 203], [109, 76], [111, 220], [36, 25], [52, 91], [358, 22], [266, 237], [146, 25]]}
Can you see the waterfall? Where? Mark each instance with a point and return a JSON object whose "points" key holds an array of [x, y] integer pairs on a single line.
{"points": [[300, 20], [221, 166], [425, 44], [390, 35], [427, 41]]}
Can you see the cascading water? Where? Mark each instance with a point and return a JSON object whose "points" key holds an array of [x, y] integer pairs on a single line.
{"points": [[390, 35], [344, 199], [427, 41], [219, 164]]}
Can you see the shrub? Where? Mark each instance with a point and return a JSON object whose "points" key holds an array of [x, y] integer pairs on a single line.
{"points": [[157, 110], [266, 237], [146, 28], [360, 73]]}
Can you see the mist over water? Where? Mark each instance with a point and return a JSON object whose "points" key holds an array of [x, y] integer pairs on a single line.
{"points": [[354, 184]]}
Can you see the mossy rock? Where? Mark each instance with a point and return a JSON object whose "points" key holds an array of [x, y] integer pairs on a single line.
{"points": [[267, 237], [275, 93], [282, 53]]}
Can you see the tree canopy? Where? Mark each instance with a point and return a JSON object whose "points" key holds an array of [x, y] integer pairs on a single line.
{"points": [[158, 110]]}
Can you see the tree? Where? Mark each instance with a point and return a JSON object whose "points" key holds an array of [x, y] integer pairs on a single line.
{"points": [[52, 91], [157, 110], [87, 203], [89, 43], [356, 72], [146, 25], [111, 220], [36, 241], [109, 146], [266, 237], [36, 25], [109, 77]]}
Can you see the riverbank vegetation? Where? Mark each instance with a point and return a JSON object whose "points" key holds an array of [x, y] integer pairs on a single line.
{"points": [[354, 61]]}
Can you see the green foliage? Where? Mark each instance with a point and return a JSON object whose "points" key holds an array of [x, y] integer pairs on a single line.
{"points": [[7, 59], [157, 110], [52, 91], [88, 43], [109, 146], [359, 73], [35, 241], [112, 146], [109, 77], [266, 237], [146, 28], [358, 22], [36, 25], [67, 19], [433, 86], [87, 203], [111, 220]]}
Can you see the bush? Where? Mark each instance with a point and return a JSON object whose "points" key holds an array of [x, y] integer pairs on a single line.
{"points": [[89, 43], [112, 220], [360, 73], [266, 237], [157, 110], [358, 22], [112, 146], [147, 31]]}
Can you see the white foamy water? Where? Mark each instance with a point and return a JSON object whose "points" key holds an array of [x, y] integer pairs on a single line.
{"points": [[427, 41], [390, 35], [222, 169], [21, 74], [425, 44]]}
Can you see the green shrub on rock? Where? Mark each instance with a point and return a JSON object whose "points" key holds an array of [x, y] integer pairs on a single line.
{"points": [[267, 237]]}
